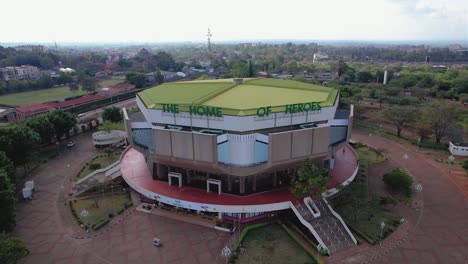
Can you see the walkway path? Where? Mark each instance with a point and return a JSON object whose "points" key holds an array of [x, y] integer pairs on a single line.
{"points": [[46, 225], [437, 232]]}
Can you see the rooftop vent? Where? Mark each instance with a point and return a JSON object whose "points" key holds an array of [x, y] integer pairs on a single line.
{"points": [[238, 80]]}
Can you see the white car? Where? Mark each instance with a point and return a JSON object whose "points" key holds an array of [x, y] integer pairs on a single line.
{"points": [[81, 115], [71, 144]]}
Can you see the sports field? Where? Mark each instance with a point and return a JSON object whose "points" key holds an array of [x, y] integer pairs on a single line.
{"points": [[52, 94], [39, 96]]}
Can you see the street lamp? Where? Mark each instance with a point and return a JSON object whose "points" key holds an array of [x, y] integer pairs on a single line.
{"points": [[382, 226], [451, 158], [419, 142]]}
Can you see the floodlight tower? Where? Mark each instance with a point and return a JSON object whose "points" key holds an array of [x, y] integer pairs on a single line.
{"points": [[209, 47]]}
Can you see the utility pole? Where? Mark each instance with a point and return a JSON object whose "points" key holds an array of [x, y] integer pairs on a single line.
{"points": [[209, 48]]}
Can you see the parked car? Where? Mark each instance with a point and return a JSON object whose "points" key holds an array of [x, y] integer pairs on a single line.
{"points": [[157, 242], [81, 115], [71, 144]]}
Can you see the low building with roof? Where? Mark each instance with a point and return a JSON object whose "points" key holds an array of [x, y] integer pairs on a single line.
{"points": [[77, 101], [23, 112]]}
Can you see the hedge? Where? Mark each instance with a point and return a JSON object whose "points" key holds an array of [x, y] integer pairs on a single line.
{"points": [[307, 249], [361, 234], [128, 204], [298, 230], [100, 224]]}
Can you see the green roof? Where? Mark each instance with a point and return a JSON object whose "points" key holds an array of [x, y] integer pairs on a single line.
{"points": [[237, 99]]}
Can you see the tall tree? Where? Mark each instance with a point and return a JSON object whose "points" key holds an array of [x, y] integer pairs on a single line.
{"points": [[88, 83], [112, 114], [137, 78], [73, 87], [42, 126], [18, 142], [309, 181], [440, 116], [7, 165], [62, 122], [399, 116], [7, 204]]}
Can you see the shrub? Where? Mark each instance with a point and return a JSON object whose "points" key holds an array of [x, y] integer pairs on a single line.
{"points": [[120, 211], [398, 180], [95, 166], [110, 215]]}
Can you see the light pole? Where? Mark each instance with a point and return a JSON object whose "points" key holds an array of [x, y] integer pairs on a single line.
{"points": [[451, 158], [419, 141], [382, 226]]}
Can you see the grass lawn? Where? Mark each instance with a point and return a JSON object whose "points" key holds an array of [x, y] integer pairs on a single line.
{"points": [[39, 96], [52, 94], [104, 161], [106, 204], [271, 244], [112, 81], [369, 155]]}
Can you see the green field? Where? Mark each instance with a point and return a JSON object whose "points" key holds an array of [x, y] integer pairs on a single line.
{"points": [[100, 207], [271, 244], [52, 94], [39, 96]]}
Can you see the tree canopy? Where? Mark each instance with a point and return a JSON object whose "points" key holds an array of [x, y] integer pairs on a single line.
{"points": [[309, 181], [7, 203], [18, 142], [11, 249], [399, 116], [62, 122], [112, 114]]}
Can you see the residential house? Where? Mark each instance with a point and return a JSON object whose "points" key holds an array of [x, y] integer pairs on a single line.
{"points": [[320, 56]]}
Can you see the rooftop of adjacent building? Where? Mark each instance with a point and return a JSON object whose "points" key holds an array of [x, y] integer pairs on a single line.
{"points": [[238, 96]]}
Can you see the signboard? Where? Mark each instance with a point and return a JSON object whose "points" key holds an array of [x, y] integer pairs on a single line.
{"points": [[261, 111]]}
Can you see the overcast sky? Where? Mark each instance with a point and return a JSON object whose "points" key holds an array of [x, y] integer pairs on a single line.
{"points": [[188, 20]]}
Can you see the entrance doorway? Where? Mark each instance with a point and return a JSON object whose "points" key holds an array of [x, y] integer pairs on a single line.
{"points": [[215, 182], [176, 175]]}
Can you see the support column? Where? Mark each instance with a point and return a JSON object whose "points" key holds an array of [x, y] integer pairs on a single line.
{"points": [[275, 179], [220, 215], [242, 184], [254, 183], [229, 180]]}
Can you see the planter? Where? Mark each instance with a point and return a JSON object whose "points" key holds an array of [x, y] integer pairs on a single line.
{"points": [[224, 229]]}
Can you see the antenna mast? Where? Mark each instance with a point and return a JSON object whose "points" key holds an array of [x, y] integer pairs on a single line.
{"points": [[209, 47]]}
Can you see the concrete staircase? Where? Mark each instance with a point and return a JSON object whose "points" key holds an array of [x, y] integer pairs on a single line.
{"points": [[331, 230], [328, 228], [97, 178]]}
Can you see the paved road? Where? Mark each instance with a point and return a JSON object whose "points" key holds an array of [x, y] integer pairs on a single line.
{"points": [[129, 103], [45, 224], [441, 235]]}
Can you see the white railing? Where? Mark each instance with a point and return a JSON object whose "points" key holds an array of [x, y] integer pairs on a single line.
{"points": [[341, 220], [92, 174]]}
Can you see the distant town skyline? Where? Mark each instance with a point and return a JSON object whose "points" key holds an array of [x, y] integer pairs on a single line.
{"points": [[188, 21]]}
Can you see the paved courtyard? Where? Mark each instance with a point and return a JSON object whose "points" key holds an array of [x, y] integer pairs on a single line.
{"points": [[45, 224], [439, 233]]}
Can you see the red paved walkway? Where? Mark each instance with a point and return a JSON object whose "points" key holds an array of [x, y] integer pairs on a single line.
{"points": [[345, 164], [135, 170]]}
